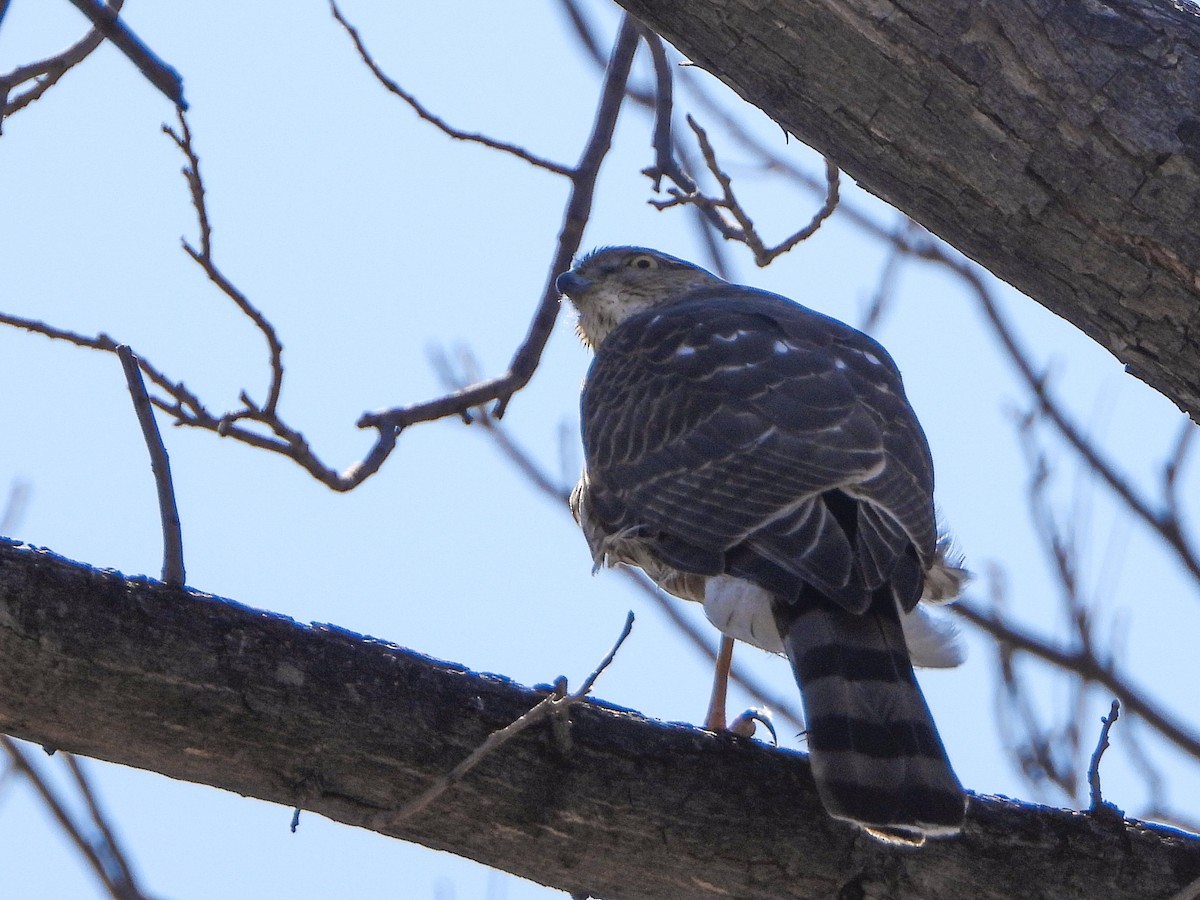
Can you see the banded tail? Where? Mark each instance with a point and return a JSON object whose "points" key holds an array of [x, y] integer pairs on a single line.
{"points": [[876, 755]]}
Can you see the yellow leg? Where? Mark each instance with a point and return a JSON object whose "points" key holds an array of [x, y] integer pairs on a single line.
{"points": [[715, 720]]}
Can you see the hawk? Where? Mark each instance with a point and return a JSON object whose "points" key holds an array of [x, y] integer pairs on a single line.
{"points": [[761, 458]]}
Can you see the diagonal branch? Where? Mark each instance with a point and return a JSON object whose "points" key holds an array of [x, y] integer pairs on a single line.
{"points": [[1088, 667], [471, 137], [47, 72], [120, 884], [579, 206], [555, 706], [1164, 522], [105, 21]]}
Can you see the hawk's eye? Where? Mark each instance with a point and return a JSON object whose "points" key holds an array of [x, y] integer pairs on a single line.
{"points": [[643, 262]]}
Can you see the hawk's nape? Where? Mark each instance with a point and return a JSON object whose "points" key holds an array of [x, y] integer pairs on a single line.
{"points": [[762, 458]]}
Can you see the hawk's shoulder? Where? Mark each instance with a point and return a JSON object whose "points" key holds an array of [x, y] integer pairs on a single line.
{"points": [[716, 334]]}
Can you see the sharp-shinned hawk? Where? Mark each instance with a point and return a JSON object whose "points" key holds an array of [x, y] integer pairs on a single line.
{"points": [[761, 458]]}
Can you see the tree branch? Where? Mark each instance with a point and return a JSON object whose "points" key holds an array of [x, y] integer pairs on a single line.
{"points": [[206, 690], [105, 20], [47, 72], [173, 572], [742, 228], [1054, 143], [102, 854], [579, 207], [438, 122], [1087, 666]]}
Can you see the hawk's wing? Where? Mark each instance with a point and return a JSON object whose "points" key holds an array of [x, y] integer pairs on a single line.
{"points": [[737, 432]]}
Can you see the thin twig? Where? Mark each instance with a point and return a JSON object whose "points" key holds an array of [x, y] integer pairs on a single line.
{"points": [[160, 465], [556, 704], [111, 845], [186, 408], [189, 411], [667, 146], [1090, 669], [742, 228], [47, 72], [1100, 807], [204, 258], [665, 164], [777, 163], [584, 31], [1164, 523], [1174, 466], [105, 20], [14, 507], [22, 764], [886, 285], [771, 161], [579, 205], [439, 123]]}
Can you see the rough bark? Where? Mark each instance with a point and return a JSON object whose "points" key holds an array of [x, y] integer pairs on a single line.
{"points": [[1056, 143], [206, 690]]}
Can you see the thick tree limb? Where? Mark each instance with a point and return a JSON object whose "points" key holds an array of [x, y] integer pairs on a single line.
{"points": [[205, 690], [1058, 144]]}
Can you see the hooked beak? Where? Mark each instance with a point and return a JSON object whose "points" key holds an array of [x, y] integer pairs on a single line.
{"points": [[572, 284]]}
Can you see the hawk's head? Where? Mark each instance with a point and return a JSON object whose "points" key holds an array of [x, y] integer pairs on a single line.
{"points": [[612, 283]]}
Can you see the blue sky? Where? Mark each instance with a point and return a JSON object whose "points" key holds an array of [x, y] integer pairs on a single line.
{"points": [[367, 238]]}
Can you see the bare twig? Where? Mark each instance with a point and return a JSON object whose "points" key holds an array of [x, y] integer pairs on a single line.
{"points": [[116, 887], [555, 706], [183, 398], [160, 465], [886, 285], [1174, 466], [779, 164], [186, 408], [47, 72], [189, 410], [14, 507], [204, 258], [104, 19], [666, 145], [1164, 522], [665, 164], [741, 228], [579, 204], [583, 30], [1100, 807], [111, 845], [1089, 668], [770, 161], [439, 123]]}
